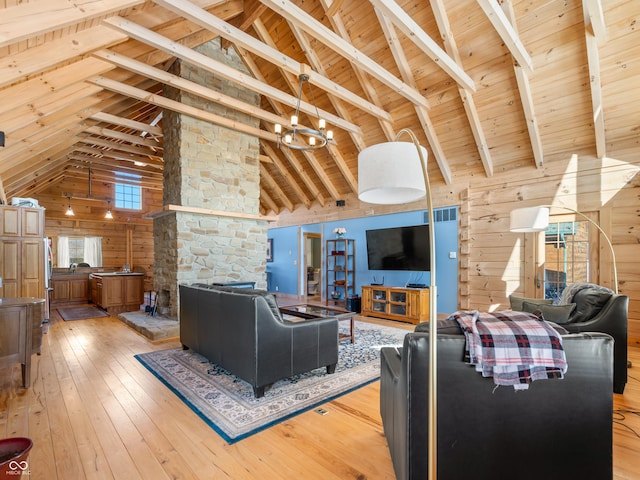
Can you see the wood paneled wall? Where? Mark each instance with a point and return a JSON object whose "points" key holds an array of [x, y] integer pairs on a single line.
{"points": [[127, 238]]}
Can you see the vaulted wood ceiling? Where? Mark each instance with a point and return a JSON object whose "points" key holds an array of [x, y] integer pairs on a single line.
{"points": [[488, 86]]}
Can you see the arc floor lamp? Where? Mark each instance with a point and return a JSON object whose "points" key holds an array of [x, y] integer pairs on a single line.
{"points": [[393, 173], [536, 219]]}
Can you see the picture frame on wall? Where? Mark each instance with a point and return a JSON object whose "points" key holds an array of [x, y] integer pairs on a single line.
{"points": [[269, 249]]}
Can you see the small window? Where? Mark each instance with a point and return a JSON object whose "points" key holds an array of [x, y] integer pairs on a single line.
{"points": [[128, 196], [76, 250]]}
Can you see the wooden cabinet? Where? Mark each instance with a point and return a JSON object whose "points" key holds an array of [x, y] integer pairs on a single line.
{"points": [[117, 293], [396, 303], [22, 252], [20, 333], [341, 268], [70, 288]]}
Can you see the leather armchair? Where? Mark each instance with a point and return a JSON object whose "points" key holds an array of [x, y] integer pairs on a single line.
{"points": [[557, 429], [242, 331], [598, 311]]}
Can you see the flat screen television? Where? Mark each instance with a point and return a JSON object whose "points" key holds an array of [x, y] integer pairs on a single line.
{"points": [[399, 248]]}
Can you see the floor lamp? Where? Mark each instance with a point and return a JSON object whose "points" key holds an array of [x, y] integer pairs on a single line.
{"points": [[536, 219], [393, 173]]}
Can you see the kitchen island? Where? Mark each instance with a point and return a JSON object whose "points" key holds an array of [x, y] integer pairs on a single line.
{"points": [[117, 292]]}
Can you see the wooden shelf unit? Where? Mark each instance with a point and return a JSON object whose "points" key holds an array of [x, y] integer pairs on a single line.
{"points": [[396, 303], [341, 270]]}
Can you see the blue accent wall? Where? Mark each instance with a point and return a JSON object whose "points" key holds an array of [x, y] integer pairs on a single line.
{"points": [[284, 270]]}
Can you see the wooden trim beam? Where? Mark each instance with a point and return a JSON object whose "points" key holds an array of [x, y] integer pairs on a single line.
{"points": [[169, 209]]}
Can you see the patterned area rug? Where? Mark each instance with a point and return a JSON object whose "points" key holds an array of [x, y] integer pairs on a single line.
{"points": [[227, 404], [81, 313]]}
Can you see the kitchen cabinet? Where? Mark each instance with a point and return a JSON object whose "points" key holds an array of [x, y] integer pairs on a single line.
{"points": [[22, 252], [117, 292], [70, 288]]}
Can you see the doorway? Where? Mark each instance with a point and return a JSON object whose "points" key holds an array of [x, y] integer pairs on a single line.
{"points": [[313, 266]]}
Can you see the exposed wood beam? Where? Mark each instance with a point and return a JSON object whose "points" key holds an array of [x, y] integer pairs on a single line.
{"points": [[271, 204], [313, 27], [407, 75], [246, 41], [125, 137], [334, 7], [125, 122], [189, 86], [151, 38], [414, 33], [122, 147], [178, 107], [293, 183], [594, 20], [526, 97], [593, 60], [506, 32]]}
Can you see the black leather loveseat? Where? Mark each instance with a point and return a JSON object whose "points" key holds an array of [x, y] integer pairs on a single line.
{"points": [[557, 429], [242, 331]]}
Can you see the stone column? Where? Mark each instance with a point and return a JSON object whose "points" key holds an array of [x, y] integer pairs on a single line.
{"points": [[211, 167]]}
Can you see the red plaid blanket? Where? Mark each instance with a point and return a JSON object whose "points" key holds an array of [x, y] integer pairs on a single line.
{"points": [[514, 348]]}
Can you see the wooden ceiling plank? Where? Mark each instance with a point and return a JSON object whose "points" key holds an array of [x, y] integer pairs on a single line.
{"points": [[30, 19], [115, 155], [120, 165], [333, 7], [30, 91], [44, 57], [407, 75], [151, 38], [313, 27], [298, 168], [286, 175], [246, 41], [273, 185], [506, 32], [526, 97], [423, 41], [271, 204]]}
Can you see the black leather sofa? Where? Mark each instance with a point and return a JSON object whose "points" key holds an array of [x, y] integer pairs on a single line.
{"points": [[242, 331], [557, 429]]}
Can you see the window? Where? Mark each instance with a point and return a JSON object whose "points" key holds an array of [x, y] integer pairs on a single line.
{"points": [[567, 249], [75, 250], [128, 196]]}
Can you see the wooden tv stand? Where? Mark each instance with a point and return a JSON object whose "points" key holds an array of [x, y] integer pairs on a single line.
{"points": [[396, 303]]}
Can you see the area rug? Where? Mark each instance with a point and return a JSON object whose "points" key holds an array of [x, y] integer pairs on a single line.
{"points": [[227, 404], [81, 313]]}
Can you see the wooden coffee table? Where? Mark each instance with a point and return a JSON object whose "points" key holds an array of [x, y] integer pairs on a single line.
{"points": [[309, 311]]}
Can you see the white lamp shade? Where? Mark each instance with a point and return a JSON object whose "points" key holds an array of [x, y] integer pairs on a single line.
{"points": [[391, 173], [529, 219]]}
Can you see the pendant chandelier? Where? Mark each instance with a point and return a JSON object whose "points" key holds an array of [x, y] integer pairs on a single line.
{"points": [[303, 138]]}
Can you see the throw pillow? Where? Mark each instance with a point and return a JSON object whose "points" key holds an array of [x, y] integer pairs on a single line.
{"points": [[551, 313], [589, 302], [516, 302]]}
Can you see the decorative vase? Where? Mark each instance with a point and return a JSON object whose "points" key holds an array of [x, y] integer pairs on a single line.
{"points": [[339, 235]]}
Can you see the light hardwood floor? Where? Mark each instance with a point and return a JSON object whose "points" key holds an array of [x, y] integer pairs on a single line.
{"points": [[94, 411]]}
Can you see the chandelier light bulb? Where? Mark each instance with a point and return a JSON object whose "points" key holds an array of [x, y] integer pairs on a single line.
{"points": [[294, 120], [287, 139], [278, 128], [329, 135], [322, 124], [312, 141]]}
